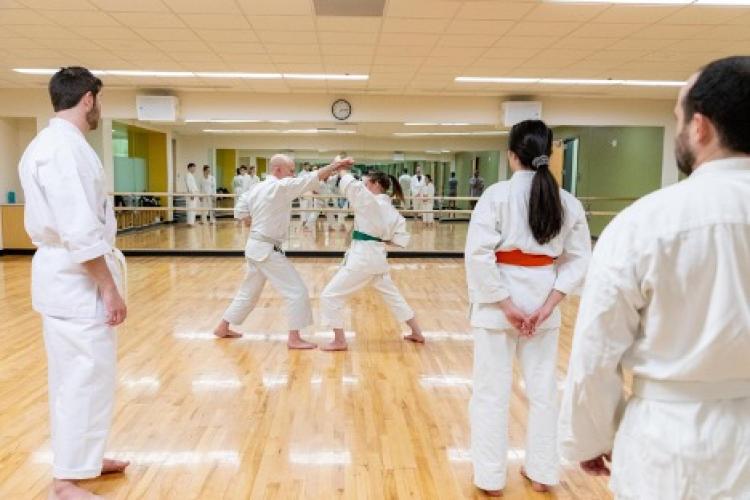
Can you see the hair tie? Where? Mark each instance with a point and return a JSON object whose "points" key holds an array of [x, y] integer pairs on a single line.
{"points": [[540, 161]]}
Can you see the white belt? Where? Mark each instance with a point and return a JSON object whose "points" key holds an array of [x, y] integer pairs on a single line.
{"points": [[265, 239], [680, 391]]}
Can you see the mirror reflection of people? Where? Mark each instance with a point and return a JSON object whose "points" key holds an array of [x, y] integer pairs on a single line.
{"points": [[452, 190], [191, 187], [476, 187], [208, 188], [528, 246], [428, 194], [418, 182], [405, 182]]}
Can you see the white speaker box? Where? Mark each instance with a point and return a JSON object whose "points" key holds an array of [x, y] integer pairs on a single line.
{"points": [[157, 108], [518, 111]]}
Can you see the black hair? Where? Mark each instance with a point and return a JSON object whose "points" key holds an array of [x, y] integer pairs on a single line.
{"points": [[428, 176], [386, 181], [206, 167], [191, 164], [722, 94], [242, 167], [531, 142], [68, 86]]}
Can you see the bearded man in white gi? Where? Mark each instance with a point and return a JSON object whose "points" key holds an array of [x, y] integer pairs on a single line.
{"points": [[667, 299], [76, 278], [269, 205]]}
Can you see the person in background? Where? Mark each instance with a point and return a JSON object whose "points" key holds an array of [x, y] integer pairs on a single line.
{"points": [[405, 182], [476, 187], [208, 188], [452, 191], [418, 183], [428, 192], [191, 202]]}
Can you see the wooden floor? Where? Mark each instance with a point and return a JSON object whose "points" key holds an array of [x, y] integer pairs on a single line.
{"points": [[228, 235], [207, 419]]}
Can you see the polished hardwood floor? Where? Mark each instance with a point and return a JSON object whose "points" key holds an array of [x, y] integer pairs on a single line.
{"points": [[203, 418], [229, 235]]}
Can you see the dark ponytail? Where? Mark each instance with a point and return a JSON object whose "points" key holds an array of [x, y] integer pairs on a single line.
{"points": [[531, 142], [386, 181]]}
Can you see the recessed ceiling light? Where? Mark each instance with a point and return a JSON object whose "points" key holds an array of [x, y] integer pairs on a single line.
{"points": [[570, 81]]}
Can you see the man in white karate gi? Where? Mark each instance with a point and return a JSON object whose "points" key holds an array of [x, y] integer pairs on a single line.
{"points": [[667, 299], [192, 202], [76, 278], [269, 205]]}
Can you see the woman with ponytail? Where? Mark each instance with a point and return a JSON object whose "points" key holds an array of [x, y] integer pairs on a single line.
{"points": [[527, 247], [376, 224]]}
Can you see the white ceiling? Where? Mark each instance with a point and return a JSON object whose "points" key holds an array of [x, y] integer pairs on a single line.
{"points": [[417, 47]]}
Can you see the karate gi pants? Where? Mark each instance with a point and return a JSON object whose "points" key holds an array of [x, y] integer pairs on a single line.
{"points": [[345, 282], [209, 204], [494, 351], [692, 450], [81, 358], [284, 278], [192, 203]]}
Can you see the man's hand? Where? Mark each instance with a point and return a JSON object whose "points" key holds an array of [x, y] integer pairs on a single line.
{"points": [[116, 309], [537, 318], [597, 466], [515, 316], [337, 165]]}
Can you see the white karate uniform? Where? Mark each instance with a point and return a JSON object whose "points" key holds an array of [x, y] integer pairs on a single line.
{"points": [[70, 219], [428, 192], [248, 181], [269, 203], [237, 188], [667, 299], [500, 223], [192, 202], [366, 261], [329, 188], [405, 183], [417, 191], [208, 186]]}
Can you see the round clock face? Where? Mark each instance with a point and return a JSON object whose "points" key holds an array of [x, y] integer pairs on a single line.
{"points": [[341, 109]]}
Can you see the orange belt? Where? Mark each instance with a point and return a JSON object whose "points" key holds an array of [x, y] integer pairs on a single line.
{"points": [[518, 258]]}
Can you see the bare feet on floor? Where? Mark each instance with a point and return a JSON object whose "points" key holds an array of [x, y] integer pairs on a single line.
{"points": [[297, 342], [492, 493], [224, 332], [69, 490], [538, 487], [335, 346], [110, 466], [415, 337]]}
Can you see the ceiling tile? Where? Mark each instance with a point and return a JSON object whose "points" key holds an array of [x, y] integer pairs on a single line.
{"points": [[404, 25], [282, 48], [202, 6], [408, 39], [526, 42], [58, 4], [306, 37], [282, 23], [494, 10], [468, 26], [351, 24], [347, 38], [727, 33], [296, 59], [215, 21], [670, 32], [458, 52], [514, 53], [467, 40], [149, 20], [583, 43], [21, 16], [422, 9], [81, 18], [696, 14], [131, 5], [399, 50], [347, 50], [132, 44], [636, 14], [182, 46], [277, 8], [538, 29], [48, 32], [554, 12], [640, 44], [237, 48], [603, 30], [227, 35], [162, 34], [101, 33]]}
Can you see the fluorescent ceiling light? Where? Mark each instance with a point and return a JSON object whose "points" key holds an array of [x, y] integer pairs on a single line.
{"points": [[223, 121], [571, 81], [203, 74], [630, 2], [322, 76], [420, 124], [424, 134], [275, 131], [432, 124]]}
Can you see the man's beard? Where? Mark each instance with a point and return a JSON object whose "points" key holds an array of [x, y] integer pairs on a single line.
{"points": [[685, 157], [92, 118]]}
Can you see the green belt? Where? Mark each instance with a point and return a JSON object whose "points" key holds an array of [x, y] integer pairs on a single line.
{"points": [[359, 236]]}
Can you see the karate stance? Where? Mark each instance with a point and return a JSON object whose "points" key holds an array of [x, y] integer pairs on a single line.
{"points": [[76, 279], [269, 205], [667, 299], [527, 247], [208, 187], [192, 202], [428, 202], [376, 223]]}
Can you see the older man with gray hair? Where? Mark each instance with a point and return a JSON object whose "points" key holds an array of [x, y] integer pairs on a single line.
{"points": [[269, 205]]}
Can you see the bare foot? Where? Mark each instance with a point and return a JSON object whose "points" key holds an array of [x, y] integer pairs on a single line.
{"points": [[492, 493], [538, 487], [110, 466], [415, 337], [224, 332], [335, 346], [68, 490], [300, 344]]}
